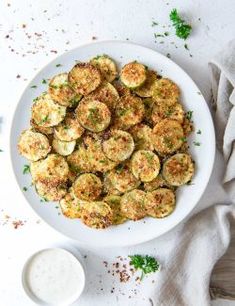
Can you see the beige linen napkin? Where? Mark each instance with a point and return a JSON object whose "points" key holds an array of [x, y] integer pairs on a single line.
{"points": [[205, 238]]}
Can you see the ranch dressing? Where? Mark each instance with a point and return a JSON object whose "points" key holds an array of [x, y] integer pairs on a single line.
{"points": [[54, 277]]}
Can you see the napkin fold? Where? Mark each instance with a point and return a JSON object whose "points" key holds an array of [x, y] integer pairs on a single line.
{"points": [[204, 239]]}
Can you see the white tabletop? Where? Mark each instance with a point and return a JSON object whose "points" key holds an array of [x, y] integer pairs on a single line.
{"points": [[32, 33]]}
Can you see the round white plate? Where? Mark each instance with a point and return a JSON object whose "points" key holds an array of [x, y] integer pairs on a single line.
{"points": [[130, 232]]}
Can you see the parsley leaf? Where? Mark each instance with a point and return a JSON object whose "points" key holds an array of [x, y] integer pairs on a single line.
{"points": [[33, 86], [182, 29], [58, 65], [26, 169], [189, 115], [146, 264], [44, 81]]}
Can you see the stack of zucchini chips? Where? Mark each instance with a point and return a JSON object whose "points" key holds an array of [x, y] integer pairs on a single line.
{"points": [[109, 146]]}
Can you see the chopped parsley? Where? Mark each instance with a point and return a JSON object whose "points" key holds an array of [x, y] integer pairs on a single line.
{"points": [[94, 115], [146, 264], [189, 115], [43, 200], [33, 86], [184, 139], [168, 55], [166, 33], [182, 29], [196, 143], [25, 188], [58, 65], [186, 46], [158, 35], [26, 169], [44, 81], [154, 23], [149, 157], [1, 150], [199, 132], [44, 119]]}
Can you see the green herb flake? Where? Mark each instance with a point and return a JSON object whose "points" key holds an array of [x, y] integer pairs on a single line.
{"points": [[26, 169], [58, 65], [168, 55], [1, 150], [182, 29], [186, 46], [154, 23], [158, 35], [184, 139], [44, 81], [189, 115], [146, 264], [199, 132], [33, 86], [25, 188], [196, 143], [166, 33]]}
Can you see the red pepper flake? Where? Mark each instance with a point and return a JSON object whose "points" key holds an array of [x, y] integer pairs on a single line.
{"points": [[17, 223]]}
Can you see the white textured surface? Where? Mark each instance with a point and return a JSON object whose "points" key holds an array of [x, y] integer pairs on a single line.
{"points": [[72, 23]]}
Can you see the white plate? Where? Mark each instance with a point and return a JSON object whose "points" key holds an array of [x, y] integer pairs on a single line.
{"points": [[128, 233]]}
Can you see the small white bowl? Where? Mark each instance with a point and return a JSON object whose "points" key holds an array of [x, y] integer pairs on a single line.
{"points": [[69, 254]]}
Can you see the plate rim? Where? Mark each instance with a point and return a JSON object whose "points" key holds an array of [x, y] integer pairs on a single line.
{"points": [[119, 243]]}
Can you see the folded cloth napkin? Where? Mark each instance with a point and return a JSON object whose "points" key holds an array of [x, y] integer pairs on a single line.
{"points": [[203, 239]]}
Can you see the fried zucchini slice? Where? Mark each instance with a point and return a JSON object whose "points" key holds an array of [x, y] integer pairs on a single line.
{"points": [[132, 204], [178, 169], [84, 78], [87, 187], [122, 178], [63, 148], [97, 159], [70, 129], [121, 89], [108, 186], [106, 66], [119, 146], [114, 202], [156, 183], [168, 136], [97, 215], [142, 135], [71, 206], [187, 126], [160, 203], [79, 160], [33, 145], [44, 130], [50, 193], [46, 112], [52, 171], [106, 93], [166, 91], [145, 165], [129, 111], [61, 92], [146, 90], [93, 115], [162, 111], [133, 75]]}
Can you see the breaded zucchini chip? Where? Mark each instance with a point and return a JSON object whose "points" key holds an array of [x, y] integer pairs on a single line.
{"points": [[162, 111], [51, 193], [70, 205], [142, 135], [146, 90], [132, 204], [79, 160], [129, 111], [97, 159], [84, 78], [46, 112], [121, 89], [122, 178], [160, 203], [145, 165], [178, 169], [33, 145], [119, 146], [168, 136], [156, 183], [61, 92], [87, 187], [107, 94], [52, 171], [63, 148], [166, 91], [114, 202], [106, 66], [97, 215], [70, 129], [93, 115], [133, 75]]}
